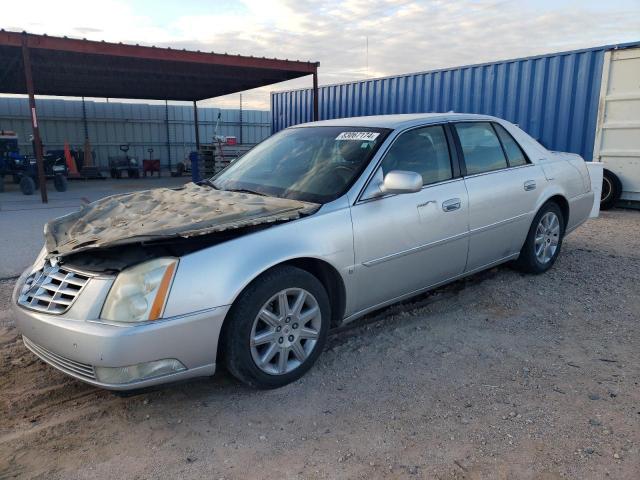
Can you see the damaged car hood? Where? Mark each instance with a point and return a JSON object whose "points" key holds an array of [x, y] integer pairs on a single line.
{"points": [[165, 213]]}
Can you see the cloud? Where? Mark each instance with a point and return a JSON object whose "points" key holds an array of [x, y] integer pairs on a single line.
{"points": [[403, 36]]}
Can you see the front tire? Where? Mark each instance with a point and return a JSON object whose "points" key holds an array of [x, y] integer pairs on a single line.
{"points": [[544, 240], [277, 328]]}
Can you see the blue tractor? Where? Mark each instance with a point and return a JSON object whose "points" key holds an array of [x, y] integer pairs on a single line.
{"points": [[23, 169]]}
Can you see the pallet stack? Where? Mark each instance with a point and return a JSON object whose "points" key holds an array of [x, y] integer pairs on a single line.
{"points": [[214, 157]]}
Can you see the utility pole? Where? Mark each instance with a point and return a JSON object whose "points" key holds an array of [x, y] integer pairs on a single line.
{"points": [[240, 139], [88, 156], [197, 125], [166, 121]]}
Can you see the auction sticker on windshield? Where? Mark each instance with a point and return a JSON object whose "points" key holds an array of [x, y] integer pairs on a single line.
{"points": [[368, 136]]}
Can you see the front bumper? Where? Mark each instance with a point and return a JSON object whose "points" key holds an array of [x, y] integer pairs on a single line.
{"points": [[77, 346]]}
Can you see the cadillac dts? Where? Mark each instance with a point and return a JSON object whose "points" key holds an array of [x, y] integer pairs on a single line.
{"points": [[316, 226]]}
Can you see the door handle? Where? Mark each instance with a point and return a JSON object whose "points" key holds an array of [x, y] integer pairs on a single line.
{"points": [[451, 204], [529, 185]]}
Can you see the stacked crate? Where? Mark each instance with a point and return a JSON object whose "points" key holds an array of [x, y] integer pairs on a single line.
{"points": [[214, 156]]}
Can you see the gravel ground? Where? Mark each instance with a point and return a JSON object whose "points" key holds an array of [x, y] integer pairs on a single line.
{"points": [[502, 375]]}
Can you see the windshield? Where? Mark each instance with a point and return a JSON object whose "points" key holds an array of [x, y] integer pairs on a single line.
{"points": [[313, 164]]}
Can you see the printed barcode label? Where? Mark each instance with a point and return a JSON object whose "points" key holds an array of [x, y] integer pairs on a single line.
{"points": [[368, 136]]}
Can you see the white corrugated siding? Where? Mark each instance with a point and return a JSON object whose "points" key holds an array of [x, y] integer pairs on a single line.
{"points": [[142, 126]]}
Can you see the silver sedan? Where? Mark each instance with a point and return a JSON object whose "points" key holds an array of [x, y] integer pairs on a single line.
{"points": [[316, 226]]}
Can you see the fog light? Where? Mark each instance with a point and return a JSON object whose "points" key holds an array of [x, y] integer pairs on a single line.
{"points": [[141, 371]]}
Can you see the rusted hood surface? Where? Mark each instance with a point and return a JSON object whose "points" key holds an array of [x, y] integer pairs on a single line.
{"points": [[164, 213]]}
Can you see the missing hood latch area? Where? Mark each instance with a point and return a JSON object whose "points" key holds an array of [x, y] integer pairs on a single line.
{"points": [[115, 259]]}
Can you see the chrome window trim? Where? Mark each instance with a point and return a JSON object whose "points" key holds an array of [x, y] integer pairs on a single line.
{"points": [[498, 170]]}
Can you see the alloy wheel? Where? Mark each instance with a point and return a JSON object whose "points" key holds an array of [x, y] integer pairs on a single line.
{"points": [[285, 331], [547, 237]]}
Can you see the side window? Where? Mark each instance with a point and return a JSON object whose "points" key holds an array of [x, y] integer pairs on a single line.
{"points": [[515, 155], [422, 150], [481, 148]]}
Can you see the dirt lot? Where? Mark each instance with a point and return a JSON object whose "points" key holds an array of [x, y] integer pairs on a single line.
{"points": [[498, 376]]}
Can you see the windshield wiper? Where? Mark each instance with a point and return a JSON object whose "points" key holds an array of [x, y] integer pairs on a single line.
{"points": [[209, 183], [245, 190]]}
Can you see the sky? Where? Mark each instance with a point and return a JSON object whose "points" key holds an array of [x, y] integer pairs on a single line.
{"points": [[402, 36]]}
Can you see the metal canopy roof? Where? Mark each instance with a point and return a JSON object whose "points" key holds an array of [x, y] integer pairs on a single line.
{"points": [[83, 68]]}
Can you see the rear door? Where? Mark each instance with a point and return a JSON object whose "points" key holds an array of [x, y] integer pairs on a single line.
{"points": [[404, 243], [503, 190]]}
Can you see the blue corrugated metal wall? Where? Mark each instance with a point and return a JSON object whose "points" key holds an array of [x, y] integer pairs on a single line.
{"points": [[553, 97]]}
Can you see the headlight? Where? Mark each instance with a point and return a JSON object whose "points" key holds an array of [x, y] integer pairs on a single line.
{"points": [[39, 262], [139, 293]]}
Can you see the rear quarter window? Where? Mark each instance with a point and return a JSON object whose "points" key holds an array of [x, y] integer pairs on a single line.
{"points": [[514, 152]]}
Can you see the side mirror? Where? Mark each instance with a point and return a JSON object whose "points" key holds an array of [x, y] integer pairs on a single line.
{"points": [[400, 181]]}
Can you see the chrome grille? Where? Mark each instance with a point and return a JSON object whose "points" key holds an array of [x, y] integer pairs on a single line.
{"points": [[52, 289], [65, 364]]}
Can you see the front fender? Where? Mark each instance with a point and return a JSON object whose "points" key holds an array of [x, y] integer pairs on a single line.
{"points": [[215, 276]]}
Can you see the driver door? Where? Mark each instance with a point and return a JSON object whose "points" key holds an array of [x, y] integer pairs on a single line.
{"points": [[407, 242]]}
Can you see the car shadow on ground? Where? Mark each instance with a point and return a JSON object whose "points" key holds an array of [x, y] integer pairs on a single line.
{"points": [[222, 382]]}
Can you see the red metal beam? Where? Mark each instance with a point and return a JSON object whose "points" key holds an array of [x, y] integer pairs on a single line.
{"points": [[152, 53], [42, 180]]}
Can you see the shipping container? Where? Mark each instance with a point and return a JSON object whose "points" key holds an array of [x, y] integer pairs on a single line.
{"points": [[554, 97], [617, 142], [168, 131]]}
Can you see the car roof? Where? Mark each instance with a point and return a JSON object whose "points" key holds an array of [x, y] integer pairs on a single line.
{"points": [[396, 121]]}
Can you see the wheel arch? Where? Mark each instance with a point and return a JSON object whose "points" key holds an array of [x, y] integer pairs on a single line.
{"points": [[563, 203], [557, 198], [330, 279], [326, 273]]}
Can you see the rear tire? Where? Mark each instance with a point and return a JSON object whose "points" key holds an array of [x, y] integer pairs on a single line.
{"points": [[544, 240], [27, 185], [611, 190], [271, 354]]}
